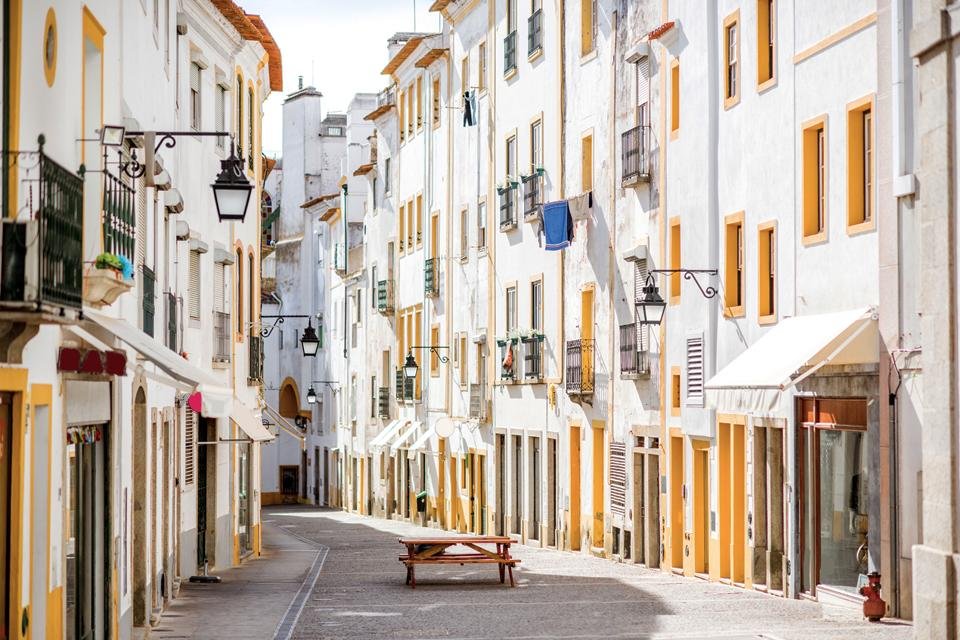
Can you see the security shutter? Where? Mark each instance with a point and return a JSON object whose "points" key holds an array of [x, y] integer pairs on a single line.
{"points": [[194, 294], [141, 232], [189, 446], [220, 108], [218, 287], [695, 370], [643, 89], [618, 478], [639, 279]]}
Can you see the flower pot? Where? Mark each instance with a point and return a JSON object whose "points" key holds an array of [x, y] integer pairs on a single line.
{"points": [[101, 287]]}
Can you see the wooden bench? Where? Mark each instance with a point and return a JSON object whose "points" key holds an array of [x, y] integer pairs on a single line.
{"points": [[434, 551]]}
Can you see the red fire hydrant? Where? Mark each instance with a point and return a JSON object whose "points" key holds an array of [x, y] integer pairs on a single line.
{"points": [[874, 607]]}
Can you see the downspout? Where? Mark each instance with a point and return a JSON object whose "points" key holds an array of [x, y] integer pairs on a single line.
{"points": [[612, 252], [343, 216], [562, 156], [662, 232]]}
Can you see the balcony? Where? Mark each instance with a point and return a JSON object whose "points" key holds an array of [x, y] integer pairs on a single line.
{"points": [[580, 367], [255, 359], [535, 32], [508, 209], [221, 336], [383, 403], [43, 257], [431, 278], [148, 285], [385, 296], [532, 358], [172, 322], [634, 361], [532, 196], [510, 53], [634, 156], [103, 285], [386, 100], [478, 402]]}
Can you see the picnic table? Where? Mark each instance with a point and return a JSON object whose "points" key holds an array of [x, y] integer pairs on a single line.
{"points": [[434, 551]]}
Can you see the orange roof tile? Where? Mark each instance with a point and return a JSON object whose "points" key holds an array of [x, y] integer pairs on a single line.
{"points": [[251, 27], [429, 58], [363, 169], [319, 200], [402, 55]]}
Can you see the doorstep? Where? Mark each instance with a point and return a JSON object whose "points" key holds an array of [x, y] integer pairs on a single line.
{"points": [[839, 597]]}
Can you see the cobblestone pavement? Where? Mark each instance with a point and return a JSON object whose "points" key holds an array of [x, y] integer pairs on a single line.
{"points": [[360, 593]]}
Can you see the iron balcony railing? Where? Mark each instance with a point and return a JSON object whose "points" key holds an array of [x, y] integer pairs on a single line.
{"points": [[119, 218], [531, 195], [221, 336], [387, 97], [385, 296], [510, 52], [42, 262], [633, 358], [478, 401], [172, 322], [431, 279], [508, 212], [535, 32], [148, 303], [255, 361], [404, 387], [580, 367], [532, 358], [383, 403], [634, 156]]}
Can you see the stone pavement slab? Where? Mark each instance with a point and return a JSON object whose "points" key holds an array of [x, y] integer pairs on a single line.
{"points": [[252, 599], [361, 593]]}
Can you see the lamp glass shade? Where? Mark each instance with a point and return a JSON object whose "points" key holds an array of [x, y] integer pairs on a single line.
{"points": [[309, 342], [410, 366], [651, 307], [231, 200], [311, 396]]}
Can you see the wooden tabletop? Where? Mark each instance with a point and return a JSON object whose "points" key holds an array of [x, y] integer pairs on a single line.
{"points": [[458, 540]]}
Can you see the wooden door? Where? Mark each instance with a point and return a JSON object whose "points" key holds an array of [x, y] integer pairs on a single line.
{"points": [[701, 506], [575, 487], [676, 502], [596, 536]]}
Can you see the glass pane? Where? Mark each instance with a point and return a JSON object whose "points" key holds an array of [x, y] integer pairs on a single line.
{"points": [[809, 504], [843, 507]]}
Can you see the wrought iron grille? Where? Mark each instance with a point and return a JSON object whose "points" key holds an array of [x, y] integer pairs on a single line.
{"points": [[385, 296], [535, 32], [431, 283], [255, 362], [221, 336], [633, 154], [510, 52], [532, 358], [119, 217], [404, 387], [531, 195], [148, 298], [172, 326], [580, 367], [508, 213], [383, 402]]}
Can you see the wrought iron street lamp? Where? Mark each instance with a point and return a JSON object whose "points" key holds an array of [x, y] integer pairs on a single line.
{"points": [[312, 393], [651, 306], [410, 366], [231, 190], [309, 341]]}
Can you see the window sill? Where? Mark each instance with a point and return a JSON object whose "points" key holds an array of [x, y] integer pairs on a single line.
{"points": [[674, 134], [675, 412], [730, 103], [734, 312], [220, 365], [536, 55], [510, 74], [674, 300], [767, 320], [766, 84], [481, 252], [815, 239], [589, 56], [861, 227]]}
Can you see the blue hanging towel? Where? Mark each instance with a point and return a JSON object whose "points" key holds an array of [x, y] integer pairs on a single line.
{"points": [[557, 225]]}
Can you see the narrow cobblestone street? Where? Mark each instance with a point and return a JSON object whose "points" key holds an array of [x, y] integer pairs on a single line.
{"points": [[360, 593]]}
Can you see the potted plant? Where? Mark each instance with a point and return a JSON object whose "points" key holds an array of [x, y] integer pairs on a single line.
{"points": [[109, 276]]}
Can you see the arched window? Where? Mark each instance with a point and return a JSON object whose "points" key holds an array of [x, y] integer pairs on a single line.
{"points": [[238, 127], [250, 123], [289, 403], [251, 289], [239, 310]]}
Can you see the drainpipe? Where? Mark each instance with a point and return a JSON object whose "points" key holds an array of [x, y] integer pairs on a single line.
{"points": [[612, 254], [343, 216]]}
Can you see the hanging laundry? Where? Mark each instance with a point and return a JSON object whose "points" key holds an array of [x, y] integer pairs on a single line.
{"points": [[469, 108], [508, 359], [557, 225], [581, 206]]}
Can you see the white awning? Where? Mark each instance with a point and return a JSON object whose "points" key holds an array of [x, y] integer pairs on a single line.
{"points": [[794, 349], [249, 422], [284, 424], [463, 440], [172, 363], [425, 437], [387, 434], [404, 436]]}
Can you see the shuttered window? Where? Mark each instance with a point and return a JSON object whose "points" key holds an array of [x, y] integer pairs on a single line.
{"points": [[189, 446], [220, 115], [618, 478], [640, 272], [643, 90], [193, 301], [219, 295], [695, 370], [195, 96], [141, 234]]}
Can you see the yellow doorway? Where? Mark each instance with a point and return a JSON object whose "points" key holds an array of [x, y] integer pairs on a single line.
{"points": [[731, 435], [586, 333], [596, 534], [574, 487], [676, 502], [701, 504]]}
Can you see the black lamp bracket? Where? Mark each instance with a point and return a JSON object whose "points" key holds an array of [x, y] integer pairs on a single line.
{"points": [[134, 169], [277, 320], [435, 350], [688, 274]]}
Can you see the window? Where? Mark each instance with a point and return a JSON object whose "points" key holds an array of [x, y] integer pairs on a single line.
{"points": [[419, 102], [435, 355], [482, 225], [195, 96], [251, 290], [250, 121], [193, 300], [335, 131], [767, 273], [536, 145], [536, 305], [586, 163], [220, 113], [511, 309], [373, 410], [482, 66], [733, 275], [643, 90], [588, 26], [860, 165], [675, 392], [239, 311], [675, 260], [419, 220], [511, 16], [815, 181], [403, 228], [766, 29], [238, 125], [464, 360], [401, 107], [674, 98], [731, 60], [418, 335], [695, 370], [464, 74], [464, 233], [386, 176], [373, 195], [436, 102], [411, 114], [374, 283], [411, 231]]}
